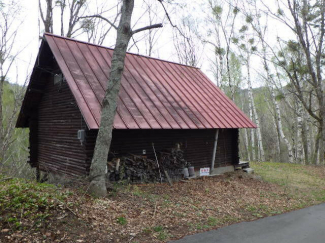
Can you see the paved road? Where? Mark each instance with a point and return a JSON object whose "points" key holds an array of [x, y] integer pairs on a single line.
{"points": [[302, 226]]}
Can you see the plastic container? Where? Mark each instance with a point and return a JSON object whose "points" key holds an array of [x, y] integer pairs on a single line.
{"points": [[191, 171], [185, 172]]}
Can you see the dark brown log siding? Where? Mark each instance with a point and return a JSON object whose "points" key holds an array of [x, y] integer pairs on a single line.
{"points": [[59, 150], [197, 144], [33, 142], [59, 120]]}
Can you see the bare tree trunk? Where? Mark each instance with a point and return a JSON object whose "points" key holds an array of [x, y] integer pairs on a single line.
{"points": [[304, 136], [74, 9], [247, 145], [1, 117], [62, 6], [246, 136], [322, 111], [321, 147], [259, 134], [278, 138], [317, 144], [310, 140], [250, 105], [253, 109], [275, 102], [252, 148], [109, 105], [48, 18], [280, 129], [300, 152]]}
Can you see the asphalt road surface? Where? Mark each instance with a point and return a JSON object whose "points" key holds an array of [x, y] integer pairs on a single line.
{"points": [[302, 226]]}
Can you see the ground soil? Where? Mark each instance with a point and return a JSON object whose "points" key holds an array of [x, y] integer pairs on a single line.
{"points": [[159, 212]]}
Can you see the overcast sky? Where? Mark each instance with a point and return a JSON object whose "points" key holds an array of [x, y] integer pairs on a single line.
{"points": [[29, 32]]}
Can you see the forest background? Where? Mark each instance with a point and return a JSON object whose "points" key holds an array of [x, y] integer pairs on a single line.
{"points": [[267, 56]]}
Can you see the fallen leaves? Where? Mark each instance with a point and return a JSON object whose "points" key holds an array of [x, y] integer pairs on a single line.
{"points": [[158, 212]]}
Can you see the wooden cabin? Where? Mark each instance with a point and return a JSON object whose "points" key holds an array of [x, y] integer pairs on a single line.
{"points": [[160, 102]]}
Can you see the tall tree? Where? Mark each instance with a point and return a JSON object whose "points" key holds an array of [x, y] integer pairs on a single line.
{"points": [[223, 22], [253, 17], [247, 47], [109, 104], [186, 42], [302, 57], [46, 13], [9, 26], [70, 11]]}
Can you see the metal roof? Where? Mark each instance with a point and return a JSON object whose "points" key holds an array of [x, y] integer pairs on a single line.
{"points": [[154, 94]]}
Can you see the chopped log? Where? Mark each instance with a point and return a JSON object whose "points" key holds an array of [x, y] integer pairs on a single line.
{"points": [[140, 169]]}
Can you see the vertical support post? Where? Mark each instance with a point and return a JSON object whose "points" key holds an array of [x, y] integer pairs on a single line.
{"points": [[214, 151]]}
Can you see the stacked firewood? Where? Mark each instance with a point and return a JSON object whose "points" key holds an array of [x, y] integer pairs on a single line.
{"points": [[140, 169], [173, 159], [173, 162], [134, 169]]}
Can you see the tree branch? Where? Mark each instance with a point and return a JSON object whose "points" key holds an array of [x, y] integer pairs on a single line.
{"points": [[100, 17], [170, 21], [147, 28]]}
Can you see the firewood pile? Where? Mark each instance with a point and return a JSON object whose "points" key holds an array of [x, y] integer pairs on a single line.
{"points": [[173, 159], [140, 169], [173, 162], [134, 169]]}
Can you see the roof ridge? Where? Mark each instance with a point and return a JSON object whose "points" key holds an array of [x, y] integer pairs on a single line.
{"points": [[135, 54]]}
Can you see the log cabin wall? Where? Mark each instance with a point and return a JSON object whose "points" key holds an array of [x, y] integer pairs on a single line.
{"points": [[59, 151], [59, 119], [197, 144], [33, 141]]}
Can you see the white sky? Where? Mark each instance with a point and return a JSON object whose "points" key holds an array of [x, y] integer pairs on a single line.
{"points": [[28, 36]]}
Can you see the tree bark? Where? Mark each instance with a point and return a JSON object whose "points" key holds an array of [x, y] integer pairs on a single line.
{"points": [[1, 117], [282, 135], [304, 136], [48, 18], [300, 152], [250, 104], [246, 145], [253, 109], [109, 105]]}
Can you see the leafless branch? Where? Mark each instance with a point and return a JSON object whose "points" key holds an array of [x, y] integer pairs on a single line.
{"points": [[100, 17], [154, 26]]}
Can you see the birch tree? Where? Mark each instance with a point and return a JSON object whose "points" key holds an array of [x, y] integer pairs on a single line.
{"points": [[222, 21], [254, 19], [247, 46], [280, 126], [304, 58]]}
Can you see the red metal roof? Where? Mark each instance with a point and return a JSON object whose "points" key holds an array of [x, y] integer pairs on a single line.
{"points": [[155, 94]]}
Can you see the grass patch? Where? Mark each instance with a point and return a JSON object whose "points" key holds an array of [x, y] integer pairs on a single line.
{"points": [[162, 236], [303, 182], [121, 221], [158, 228], [212, 221], [290, 175]]}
